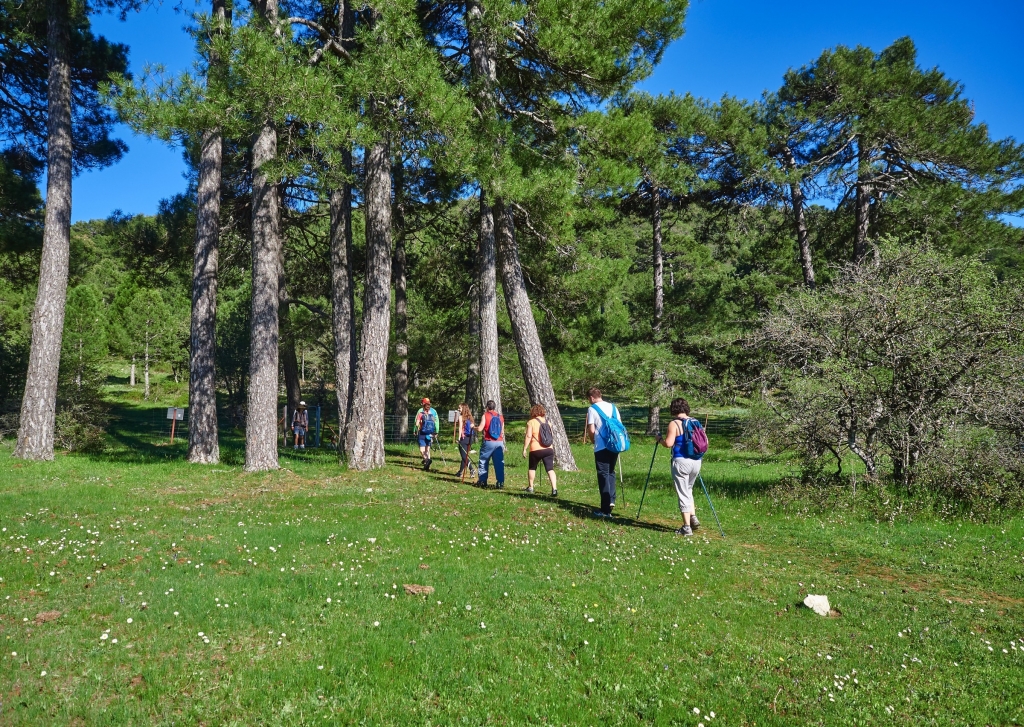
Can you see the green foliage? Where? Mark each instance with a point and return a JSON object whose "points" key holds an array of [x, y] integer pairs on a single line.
{"points": [[900, 363]]}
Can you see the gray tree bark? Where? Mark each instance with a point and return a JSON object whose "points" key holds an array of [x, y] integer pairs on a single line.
{"points": [[862, 203], [524, 332], [203, 445], [261, 414], [658, 265], [261, 410], [39, 403], [366, 430], [343, 304], [289, 359], [401, 397], [343, 324], [145, 374], [490, 383], [473, 359], [796, 196], [484, 71]]}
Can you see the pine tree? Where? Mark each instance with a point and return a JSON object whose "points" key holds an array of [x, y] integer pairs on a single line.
{"points": [[529, 65], [73, 121]]}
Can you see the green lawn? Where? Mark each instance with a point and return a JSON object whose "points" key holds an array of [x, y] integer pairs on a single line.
{"points": [[203, 595]]}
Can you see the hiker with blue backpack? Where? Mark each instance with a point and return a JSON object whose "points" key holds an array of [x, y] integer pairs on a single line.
{"points": [[492, 426], [427, 425], [610, 439], [688, 442]]}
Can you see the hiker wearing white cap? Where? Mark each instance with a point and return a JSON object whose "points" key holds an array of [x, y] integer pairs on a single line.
{"points": [[300, 423], [427, 425]]}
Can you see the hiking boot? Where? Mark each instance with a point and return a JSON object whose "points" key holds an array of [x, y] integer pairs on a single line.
{"points": [[500, 486], [529, 490], [685, 530], [554, 493], [599, 513], [694, 522]]}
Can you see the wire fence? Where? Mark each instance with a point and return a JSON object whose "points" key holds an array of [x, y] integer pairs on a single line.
{"points": [[154, 424]]}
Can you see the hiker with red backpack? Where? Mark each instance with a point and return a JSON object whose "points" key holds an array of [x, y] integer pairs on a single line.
{"points": [[492, 426], [688, 442], [537, 446]]}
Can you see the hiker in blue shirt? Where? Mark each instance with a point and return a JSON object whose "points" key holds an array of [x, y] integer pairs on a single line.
{"points": [[606, 454], [686, 457], [427, 426]]}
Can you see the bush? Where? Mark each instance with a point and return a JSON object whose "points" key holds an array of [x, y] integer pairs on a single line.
{"points": [[78, 429], [895, 364]]}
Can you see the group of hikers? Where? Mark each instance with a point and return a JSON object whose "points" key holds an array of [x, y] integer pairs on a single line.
{"points": [[685, 438]]}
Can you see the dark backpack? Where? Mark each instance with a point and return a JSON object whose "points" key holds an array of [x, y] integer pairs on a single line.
{"points": [[545, 435], [429, 425], [494, 427]]}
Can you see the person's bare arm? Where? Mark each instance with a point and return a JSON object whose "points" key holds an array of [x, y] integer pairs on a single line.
{"points": [[527, 439], [670, 436]]}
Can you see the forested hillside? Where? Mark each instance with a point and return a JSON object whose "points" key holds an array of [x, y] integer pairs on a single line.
{"points": [[473, 202]]}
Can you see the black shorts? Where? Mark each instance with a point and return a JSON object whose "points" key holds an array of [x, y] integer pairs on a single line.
{"points": [[547, 456]]}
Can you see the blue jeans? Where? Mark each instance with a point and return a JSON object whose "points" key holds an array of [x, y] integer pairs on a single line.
{"points": [[489, 450]]}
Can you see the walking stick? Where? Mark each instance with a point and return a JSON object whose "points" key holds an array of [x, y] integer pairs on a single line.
{"points": [[649, 470], [622, 483], [709, 503]]}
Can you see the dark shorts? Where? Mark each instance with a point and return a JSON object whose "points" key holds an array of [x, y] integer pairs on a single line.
{"points": [[547, 456], [426, 440]]}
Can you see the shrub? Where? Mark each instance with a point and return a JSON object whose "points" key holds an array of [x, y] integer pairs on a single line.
{"points": [[893, 364]]}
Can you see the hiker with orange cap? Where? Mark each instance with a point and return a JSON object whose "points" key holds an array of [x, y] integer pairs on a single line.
{"points": [[427, 425]]}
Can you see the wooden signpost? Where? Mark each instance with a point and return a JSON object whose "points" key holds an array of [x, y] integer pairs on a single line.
{"points": [[175, 414]]}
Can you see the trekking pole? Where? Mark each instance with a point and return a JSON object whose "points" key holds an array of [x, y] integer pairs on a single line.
{"points": [[709, 503], [437, 446], [622, 483], [649, 470]]}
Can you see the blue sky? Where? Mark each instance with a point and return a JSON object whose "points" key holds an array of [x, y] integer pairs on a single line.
{"points": [[734, 47]]}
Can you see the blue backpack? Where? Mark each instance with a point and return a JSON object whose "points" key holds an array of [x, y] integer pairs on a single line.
{"points": [[613, 431], [494, 427], [429, 423]]}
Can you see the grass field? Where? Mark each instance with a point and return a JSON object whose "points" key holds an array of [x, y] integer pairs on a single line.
{"points": [[137, 589]]}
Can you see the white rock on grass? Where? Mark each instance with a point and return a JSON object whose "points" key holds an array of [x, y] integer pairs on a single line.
{"points": [[818, 604]]}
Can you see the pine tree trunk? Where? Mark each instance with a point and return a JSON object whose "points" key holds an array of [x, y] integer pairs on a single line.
{"points": [[366, 430], [524, 332], [862, 204], [289, 360], [473, 363], [401, 402], [342, 309], [39, 403], [796, 195], [203, 446], [658, 265], [131, 376], [484, 71], [261, 414], [490, 383], [145, 374]]}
